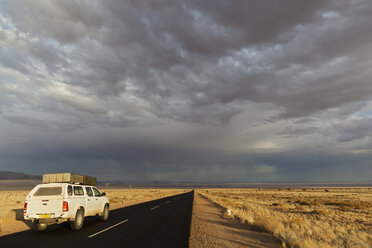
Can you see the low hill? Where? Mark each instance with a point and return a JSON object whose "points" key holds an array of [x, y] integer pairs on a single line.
{"points": [[9, 175]]}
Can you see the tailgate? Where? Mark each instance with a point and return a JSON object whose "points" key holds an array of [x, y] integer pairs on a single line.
{"points": [[45, 206]]}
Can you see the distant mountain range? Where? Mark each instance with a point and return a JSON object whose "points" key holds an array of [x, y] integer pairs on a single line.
{"points": [[8, 175]]}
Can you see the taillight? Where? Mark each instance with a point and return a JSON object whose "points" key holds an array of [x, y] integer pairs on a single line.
{"points": [[65, 206], [25, 208]]}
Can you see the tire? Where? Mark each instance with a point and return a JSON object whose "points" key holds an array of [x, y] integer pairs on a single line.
{"points": [[105, 213], [39, 227], [77, 224]]}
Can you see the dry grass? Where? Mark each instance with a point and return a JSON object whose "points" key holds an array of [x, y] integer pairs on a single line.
{"points": [[11, 204], [306, 218]]}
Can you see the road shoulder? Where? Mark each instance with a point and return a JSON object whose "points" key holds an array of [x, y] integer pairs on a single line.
{"points": [[209, 228]]}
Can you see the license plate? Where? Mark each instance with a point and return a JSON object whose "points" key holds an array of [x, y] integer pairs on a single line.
{"points": [[44, 216]]}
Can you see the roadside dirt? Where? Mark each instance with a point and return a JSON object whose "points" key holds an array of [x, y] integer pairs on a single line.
{"points": [[209, 228]]}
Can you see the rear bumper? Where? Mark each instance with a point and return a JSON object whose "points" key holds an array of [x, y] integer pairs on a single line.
{"points": [[54, 218], [48, 220], [32, 216], [51, 221]]}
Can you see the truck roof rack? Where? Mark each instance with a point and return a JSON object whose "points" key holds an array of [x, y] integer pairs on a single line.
{"points": [[69, 178]]}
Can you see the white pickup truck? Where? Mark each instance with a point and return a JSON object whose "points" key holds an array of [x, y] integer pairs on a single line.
{"points": [[53, 203]]}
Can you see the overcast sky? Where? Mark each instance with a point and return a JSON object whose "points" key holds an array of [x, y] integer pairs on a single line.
{"points": [[193, 90]]}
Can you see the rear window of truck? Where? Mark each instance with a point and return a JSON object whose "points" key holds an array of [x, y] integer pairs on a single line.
{"points": [[44, 191]]}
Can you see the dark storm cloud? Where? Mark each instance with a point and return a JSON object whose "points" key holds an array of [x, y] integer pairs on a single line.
{"points": [[292, 131], [356, 130], [254, 23], [276, 70], [145, 162], [189, 51]]}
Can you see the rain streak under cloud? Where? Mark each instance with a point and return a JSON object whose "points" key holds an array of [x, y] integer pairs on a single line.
{"points": [[171, 90]]}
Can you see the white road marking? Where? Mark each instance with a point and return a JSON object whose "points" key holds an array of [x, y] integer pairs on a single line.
{"points": [[104, 230], [168, 202], [155, 207]]}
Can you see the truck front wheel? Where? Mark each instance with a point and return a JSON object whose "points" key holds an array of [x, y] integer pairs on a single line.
{"points": [[105, 213], [38, 226], [77, 223]]}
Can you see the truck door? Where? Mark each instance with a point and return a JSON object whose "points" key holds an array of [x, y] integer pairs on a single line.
{"points": [[79, 197], [98, 200], [91, 202]]}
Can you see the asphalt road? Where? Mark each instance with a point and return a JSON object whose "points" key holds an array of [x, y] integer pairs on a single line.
{"points": [[160, 223]]}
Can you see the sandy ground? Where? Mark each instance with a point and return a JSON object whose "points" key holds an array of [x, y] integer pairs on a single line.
{"points": [[210, 227]]}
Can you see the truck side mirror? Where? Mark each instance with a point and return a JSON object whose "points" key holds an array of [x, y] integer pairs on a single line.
{"points": [[103, 194]]}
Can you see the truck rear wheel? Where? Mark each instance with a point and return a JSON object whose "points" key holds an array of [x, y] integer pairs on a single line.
{"points": [[79, 220], [105, 214], [38, 226]]}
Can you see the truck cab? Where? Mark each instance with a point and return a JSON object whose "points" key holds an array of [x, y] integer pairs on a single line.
{"points": [[52, 203]]}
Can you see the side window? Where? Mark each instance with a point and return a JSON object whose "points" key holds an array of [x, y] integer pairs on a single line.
{"points": [[69, 190], [96, 192], [89, 191], [78, 190]]}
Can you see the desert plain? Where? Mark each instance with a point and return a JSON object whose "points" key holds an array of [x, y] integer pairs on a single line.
{"points": [[299, 217]]}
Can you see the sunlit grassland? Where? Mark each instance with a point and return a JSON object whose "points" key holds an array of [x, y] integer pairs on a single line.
{"points": [[309, 218]]}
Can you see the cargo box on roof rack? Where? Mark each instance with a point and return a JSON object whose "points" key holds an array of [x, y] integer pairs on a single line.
{"points": [[69, 178]]}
